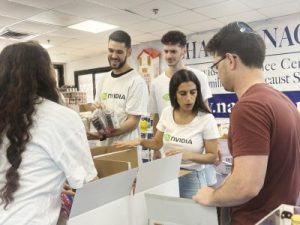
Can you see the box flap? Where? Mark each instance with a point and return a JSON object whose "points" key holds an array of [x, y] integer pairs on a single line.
{"points": [[179, 211], [100, 192], [158, 172]]}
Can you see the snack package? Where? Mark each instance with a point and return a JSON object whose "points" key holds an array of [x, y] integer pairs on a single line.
{"points": [[104, 121]]}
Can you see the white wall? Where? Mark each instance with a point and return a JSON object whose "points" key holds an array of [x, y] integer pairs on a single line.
{"points": [[101, 61], [88, 63]]}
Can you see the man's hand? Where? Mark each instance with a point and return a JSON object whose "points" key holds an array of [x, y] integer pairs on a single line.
{"points": [[96, 136], [204, 196]]}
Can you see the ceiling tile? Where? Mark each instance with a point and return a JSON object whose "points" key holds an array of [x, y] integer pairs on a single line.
{"points": [[281, 9], [4, 21], [56, 18], [120, 4], [256, 4], [32, 27], [53, 40], [186, 17], [16, 10], [164, 8], [86, 9], [122, 18], [42, 4], [150, 26], [205, 26], [223, 9], [245, 16], [191, 4]]}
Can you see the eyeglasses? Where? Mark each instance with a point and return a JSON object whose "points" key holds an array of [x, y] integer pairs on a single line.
{"points": [[244, 28], [214, 67]]}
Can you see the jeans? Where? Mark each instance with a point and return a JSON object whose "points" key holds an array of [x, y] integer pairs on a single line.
{"points": [[190, 183]]}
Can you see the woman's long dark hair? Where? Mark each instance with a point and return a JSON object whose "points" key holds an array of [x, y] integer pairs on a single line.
{"points": [[179, 77], [26, 74]]}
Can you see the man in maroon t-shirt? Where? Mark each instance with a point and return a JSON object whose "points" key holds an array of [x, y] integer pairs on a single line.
{"points": [[264, 135]]}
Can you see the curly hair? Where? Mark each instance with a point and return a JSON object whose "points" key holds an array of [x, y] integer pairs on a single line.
{"points": [[26, 77], [174, 37]]}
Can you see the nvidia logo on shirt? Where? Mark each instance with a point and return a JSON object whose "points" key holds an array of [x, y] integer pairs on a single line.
{"points": [[105, 96], [169, 137], [166, 97]]}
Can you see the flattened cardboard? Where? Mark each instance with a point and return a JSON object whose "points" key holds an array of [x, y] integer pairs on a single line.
{"points": [[102, 191], [158, 172], [179, 211]]}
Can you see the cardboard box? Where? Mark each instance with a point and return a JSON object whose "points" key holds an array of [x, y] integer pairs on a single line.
{"points": [[100, 150], [86, 107], [97, 202], [115, 162]]}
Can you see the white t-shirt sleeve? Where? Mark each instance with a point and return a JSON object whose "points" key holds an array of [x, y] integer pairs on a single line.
{"points": [[211, 129], [163, 120], [137, 98], [152, 105], [72, 155]]}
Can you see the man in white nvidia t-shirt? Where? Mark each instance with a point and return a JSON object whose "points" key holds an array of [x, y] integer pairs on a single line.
{"points": [[123, 91], [174, 49]]}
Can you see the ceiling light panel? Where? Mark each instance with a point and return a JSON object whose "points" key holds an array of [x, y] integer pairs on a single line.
{"points": [[93, 26]]}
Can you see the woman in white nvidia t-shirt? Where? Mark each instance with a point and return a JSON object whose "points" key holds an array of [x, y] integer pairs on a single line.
{"points": [[189, 128]]}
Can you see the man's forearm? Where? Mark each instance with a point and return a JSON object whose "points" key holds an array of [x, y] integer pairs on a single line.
{"points": [[127, 126], [231, 193]]}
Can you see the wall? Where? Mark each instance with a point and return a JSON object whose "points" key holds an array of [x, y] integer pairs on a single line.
{"points": [[281, 67], [89, 63]]}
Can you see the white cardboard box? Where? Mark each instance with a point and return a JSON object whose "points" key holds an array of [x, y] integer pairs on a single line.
{"points": [[107, 201]]}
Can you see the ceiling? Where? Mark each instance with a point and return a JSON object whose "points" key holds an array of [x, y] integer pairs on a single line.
{"points": [[49, 19]]}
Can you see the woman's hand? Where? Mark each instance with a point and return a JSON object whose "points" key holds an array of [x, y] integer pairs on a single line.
{"points": [[68, 190], [186, 155], [127, 144]]}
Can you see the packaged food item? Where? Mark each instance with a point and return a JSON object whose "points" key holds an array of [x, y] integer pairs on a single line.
{"points": [[105, 121]]}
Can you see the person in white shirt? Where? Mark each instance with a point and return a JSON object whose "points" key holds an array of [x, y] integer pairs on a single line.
{"points": [[42, 143], [122, 91], [174, 49], [189, 128]]}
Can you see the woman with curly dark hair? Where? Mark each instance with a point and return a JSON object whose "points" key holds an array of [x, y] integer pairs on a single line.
{"points": [[42, 143]]}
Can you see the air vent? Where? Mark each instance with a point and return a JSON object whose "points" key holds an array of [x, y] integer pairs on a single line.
{"points": [[9, 34]]}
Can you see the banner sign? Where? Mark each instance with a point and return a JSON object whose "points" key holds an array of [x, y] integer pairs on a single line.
{"points": [[281, 66]]}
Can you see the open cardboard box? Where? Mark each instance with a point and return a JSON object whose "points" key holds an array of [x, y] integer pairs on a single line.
{"points": [[97, 202], [114, 162]]}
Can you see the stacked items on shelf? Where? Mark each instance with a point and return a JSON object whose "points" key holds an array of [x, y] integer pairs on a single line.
{"points": [[146, 132], [72, 97]]}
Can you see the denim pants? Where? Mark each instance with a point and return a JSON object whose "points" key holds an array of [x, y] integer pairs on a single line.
{"points": [[202, 177]]}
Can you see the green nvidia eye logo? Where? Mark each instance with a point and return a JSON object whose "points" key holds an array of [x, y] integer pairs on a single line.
{"points": [[166, 97], [167, 137], [103, 96]]}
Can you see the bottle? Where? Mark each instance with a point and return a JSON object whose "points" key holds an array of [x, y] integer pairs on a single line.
{"points": [[296, 219]]}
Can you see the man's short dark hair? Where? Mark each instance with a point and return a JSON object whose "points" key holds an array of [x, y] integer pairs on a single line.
{"points": [[122, 37], [239, 38], [174, 37]]}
